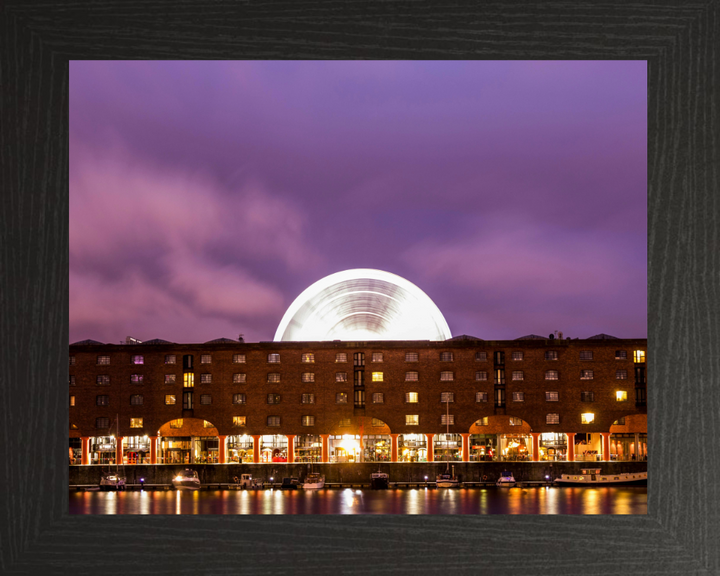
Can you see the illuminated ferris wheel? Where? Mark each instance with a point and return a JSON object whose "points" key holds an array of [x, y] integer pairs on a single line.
{"points": [[362, 304]]}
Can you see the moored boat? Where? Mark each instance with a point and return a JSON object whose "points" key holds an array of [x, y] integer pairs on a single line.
{"points": [[313, 481], [379, 480], [594, 477], [506, 480], [186, 480], [290, 484], [112, 480]]}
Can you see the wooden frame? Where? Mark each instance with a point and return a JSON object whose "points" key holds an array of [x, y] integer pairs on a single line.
{"points": [[680, 41]]}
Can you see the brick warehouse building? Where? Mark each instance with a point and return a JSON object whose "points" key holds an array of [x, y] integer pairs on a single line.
{"points": [[226, 401]]}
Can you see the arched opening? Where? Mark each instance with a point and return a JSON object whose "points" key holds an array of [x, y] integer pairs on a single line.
{"points": [[240, 449], [412, 448], [188, 441], [308, 448], [628, 438], [500, 438]]}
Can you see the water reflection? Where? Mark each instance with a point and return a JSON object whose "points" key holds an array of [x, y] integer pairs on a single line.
{"points": [[540, 500]]}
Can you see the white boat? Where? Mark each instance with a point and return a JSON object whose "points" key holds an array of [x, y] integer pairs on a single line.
{"points": [[186, 480], [447, 479], [379, 480], [594, 477], [314, 481], [506, 480]]}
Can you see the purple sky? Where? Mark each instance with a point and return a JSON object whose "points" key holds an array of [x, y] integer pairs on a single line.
{"points": [[205, 196]]}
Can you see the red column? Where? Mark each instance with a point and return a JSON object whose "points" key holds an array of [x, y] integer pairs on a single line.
{"points": [[291, 448], [536, 446], [394, 448], [119, 450], [85, 460], [605, 445], [221, 449], [153, 449], [570, 446], [256, 449], [325, 447], [465, 447], [430, 447]]}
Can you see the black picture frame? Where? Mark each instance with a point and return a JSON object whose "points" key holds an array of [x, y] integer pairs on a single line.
{"points": [[680, 42]]}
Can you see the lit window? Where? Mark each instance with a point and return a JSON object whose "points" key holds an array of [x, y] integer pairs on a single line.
{"points": [[377, 376], [102, 423], [621, 375], [586, 355], [239, 398], [205, 378], [411, 356], [446, 397], [552, 396], [207, 424], [552, 419], [273, 358], [341, 357], [308, 358], [103, 359], [412, 420], [377, 423], [72, 400], [102, 400], [639, 356], [620, 354], [346, 422], [378, 398], [447, 376], [170, 359], [411, 397], [72, 360], [518, 375], [138, 360], [239, 378], [411, 376], [481, 397], [238, 358], [341, 398], [551, 375], [136, 422], [169, 378], [239, 421], [515, 421], [586, 375], [518, 396], [205, 359], [500, 376], [136, 378], [273, 377], [587, 418], [481, 376], [551, 355], [447, 419], [480, 356], [170, 399], [446, 356], [517, 355], [136, 400], [205, 399], [188, 380], [273, 398], [499, 358], [308, 399], [587, 396], [307, 421], [273, 421], [308, 377], [621, 396], [482, 422], [72, 380], [177, 423], [340, 376], [377, 356]]}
